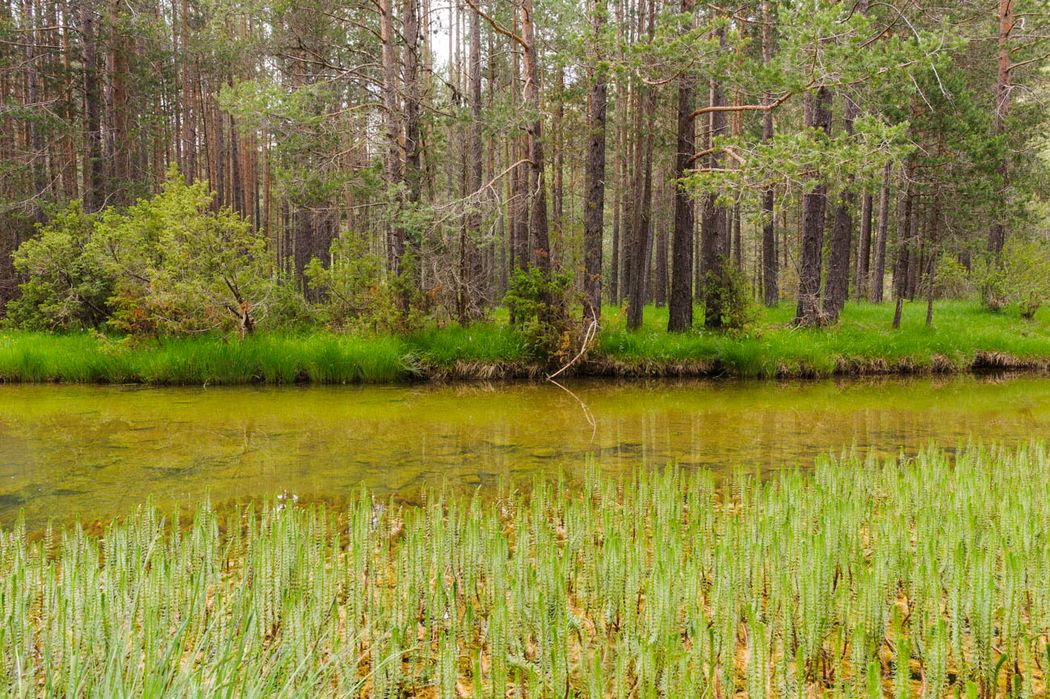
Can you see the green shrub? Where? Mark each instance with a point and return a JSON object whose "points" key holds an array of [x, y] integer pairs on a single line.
{"points": [[67, 285], [182, 267], [537, 304], [729, 296], [352, 292], [1020, 276], [953, 280]]}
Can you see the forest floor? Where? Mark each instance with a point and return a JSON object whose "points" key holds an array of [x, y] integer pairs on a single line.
{"points": [[964, 337]]}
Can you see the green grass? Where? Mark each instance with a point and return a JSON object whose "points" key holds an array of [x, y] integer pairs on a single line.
{"points": [[924, 577], [862, 343]]}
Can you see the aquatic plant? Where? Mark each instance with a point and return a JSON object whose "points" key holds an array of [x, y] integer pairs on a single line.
{"points": [[906, 577]]}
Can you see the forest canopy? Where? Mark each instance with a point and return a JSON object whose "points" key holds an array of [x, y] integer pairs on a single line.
{"points": [[378, 164]]}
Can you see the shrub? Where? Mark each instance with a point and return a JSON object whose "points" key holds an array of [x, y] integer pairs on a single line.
{"points": [[67, 285], [1020, 276], [352, 292], [729, 296], [183, 267], [953, 280], [537, 304]]}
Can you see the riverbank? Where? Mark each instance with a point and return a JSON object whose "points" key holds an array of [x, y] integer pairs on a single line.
{"points": [[924, 574], [964, 338]]}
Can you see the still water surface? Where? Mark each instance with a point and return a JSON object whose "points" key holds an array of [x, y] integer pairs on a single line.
{"points": [[94, 452]]}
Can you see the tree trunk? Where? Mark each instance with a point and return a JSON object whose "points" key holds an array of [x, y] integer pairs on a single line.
{"points": [[641, 243], [904, 244], [594, 188], [539, 229], [878, 278], [837, 287], [997, 233], [93, 187], [680, 310], [392, 108], [770, 284], [470, 273], [714, 225], [860, 278], [814, 203]]}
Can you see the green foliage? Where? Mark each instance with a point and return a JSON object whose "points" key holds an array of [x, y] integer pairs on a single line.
{"points": [[852, 576], [729, 296], [351, 291], [1020, 276], [537, 304], [953, 280], [169, 264], [182, 267], [66, 285]]}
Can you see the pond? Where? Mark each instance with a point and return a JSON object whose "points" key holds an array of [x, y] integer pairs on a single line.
{"points": [[97, 451]]}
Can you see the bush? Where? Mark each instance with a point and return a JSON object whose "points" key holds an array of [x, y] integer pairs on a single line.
{"points": [[537, 304], [1020, 276], [953, 280], [67, 285], [169, 264], [353, 294], [729, 296]]}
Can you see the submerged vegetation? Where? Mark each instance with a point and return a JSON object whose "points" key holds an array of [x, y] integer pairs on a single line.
{"points": [[966, 338], [927, 576]]}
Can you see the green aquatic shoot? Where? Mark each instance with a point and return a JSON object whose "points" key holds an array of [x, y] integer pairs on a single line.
{"points": [[904, 577]]}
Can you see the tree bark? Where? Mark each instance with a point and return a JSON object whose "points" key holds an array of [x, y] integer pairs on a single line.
{"points": [[997, 233], [770, 283], [904, 244], [539, 229], [94, 196], [837, 287], [594, 187], [878, 278], [713, 230], [814, 203], [680, 310], [391, 108], [860, 278], [641, 243], [470, 272]]}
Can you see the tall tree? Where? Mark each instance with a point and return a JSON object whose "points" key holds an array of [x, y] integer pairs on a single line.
{"points": [[594, 205], [680, 308], [814, 202]]}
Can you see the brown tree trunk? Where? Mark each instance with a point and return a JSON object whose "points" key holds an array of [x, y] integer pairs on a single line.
{"points": [[594, 187], [904, 243], [189, 117], [837, 287], [878, 269], [997, 233], [470, 274], [714, 226], [93, 187], [391, 109], [770, 283], [680, 310], [814, 203], [539, 230], [638, 259], [860, 278]]}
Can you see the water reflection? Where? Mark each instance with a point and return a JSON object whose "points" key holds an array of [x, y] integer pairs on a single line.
{"points": [[94, 452]]}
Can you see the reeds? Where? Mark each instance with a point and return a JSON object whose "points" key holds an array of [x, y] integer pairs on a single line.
{"points": [[909, 577]]}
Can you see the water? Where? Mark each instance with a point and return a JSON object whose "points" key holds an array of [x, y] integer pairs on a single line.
{"points": [[94, 452]]}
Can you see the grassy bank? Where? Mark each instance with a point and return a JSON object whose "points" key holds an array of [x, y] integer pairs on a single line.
{"points": [[917, 577], [964, 338]]}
